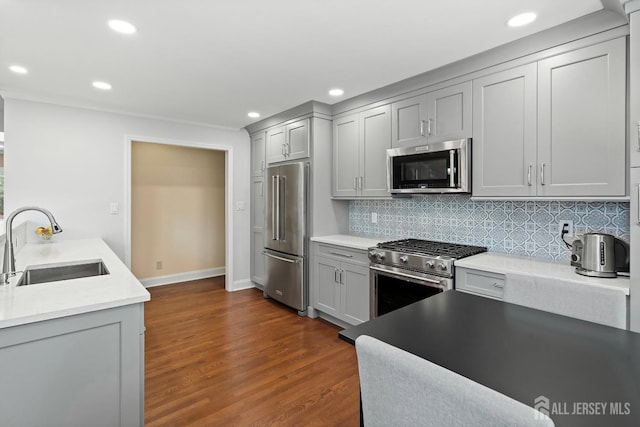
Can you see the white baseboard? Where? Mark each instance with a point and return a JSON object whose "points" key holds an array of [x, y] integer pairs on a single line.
{"points": [[182, 277], [239, 285]]}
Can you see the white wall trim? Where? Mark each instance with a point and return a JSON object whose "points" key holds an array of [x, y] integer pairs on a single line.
{"points": [[240, 285], [229, 192], [182, 277]]}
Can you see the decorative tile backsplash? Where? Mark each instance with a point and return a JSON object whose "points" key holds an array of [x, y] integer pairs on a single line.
{"points": [[528, 228]]}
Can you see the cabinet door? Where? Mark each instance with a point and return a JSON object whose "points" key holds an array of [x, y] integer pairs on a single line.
{"points": [[327, 287], [345, 156], [449, 113], [581, 122], [258, 154], [634, 284], [258, 271], [504, 133], [634, 89], [297, 140], [375, 139], [355, 294], [408, 122], [276, 144]]}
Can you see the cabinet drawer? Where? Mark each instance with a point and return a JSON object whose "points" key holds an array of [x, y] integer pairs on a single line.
{"points": [[480, 282], [342, 253]]}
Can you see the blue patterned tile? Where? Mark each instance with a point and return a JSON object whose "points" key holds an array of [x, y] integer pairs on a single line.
{"points": [[526, 228]]}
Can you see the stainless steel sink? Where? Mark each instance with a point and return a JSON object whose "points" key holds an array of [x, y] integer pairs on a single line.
{"points": [[45, 273]]}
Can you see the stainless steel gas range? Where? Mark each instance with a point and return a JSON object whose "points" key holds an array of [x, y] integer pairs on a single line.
{"points": [[408, 270]]}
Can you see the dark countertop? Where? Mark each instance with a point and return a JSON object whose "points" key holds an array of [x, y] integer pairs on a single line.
{"points": [[522, 353]]}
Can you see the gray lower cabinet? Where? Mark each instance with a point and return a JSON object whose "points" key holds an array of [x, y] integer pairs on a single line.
{"points": [[340, 283], [634, 283], [555, 128], [479, 282], [81, 370], [440, 115], [360, 142], [634, 89], [258, 269], [288, 142]]}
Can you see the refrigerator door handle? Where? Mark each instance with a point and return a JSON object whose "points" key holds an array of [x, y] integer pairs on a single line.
{"points": [[274, 198], [292, 261], [282, 191], [277, 211]]}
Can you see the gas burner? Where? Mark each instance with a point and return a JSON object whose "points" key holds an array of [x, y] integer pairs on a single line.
{"points": [[431, 248]]}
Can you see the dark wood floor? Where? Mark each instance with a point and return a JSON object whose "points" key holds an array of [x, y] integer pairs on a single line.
{"points": [[215, 358]]}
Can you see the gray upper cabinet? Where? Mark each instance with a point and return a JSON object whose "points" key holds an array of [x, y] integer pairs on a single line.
{"points": [[504, 133], [289, 142], [555, 128], [408, 122], [449, 113], [581, 122], [258, 163], [360, 143], [436, 116]]}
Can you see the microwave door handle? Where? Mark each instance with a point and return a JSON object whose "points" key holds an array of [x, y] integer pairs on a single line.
{"points": [[452, 175]]}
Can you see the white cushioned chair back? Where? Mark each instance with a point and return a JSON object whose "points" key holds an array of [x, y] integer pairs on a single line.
{"points": [[401, 389]]}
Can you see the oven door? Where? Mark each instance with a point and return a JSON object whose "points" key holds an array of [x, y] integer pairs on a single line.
{"points": [[434, 168], [393, 288]]}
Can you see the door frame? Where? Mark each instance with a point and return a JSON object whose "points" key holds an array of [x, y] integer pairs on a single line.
{"points": [[228, 195]]}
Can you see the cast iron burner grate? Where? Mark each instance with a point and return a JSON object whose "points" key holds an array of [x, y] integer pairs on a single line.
{"points": [[429, 247]]}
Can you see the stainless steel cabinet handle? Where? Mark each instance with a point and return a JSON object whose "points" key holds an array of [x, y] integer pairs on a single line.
{"points": [[341, 282], [355, 182], [638, 136], [429, 127], [292, 261], [342, 255], [542, 173], [360, 180], [497, 285], [262, 165], [529, 175], [282, 149], [421, 127], [335, 275]]}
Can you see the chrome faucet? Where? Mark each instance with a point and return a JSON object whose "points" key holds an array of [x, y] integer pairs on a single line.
{"points": [[9, 265]]}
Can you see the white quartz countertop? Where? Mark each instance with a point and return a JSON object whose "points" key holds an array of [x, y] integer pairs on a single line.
{"points": [[346, 240], [44, 301], [505, 264]]}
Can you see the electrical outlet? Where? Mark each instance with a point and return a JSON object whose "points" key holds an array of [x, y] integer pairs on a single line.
{"points": [[374, 217], [569, 227], [158, 265]]}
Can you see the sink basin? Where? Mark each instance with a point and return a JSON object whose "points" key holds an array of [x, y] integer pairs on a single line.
{"points": [[45, 273]]}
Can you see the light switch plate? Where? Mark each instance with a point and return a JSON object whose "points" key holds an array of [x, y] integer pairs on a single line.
{"points": [[114, 209], [240, 206]]}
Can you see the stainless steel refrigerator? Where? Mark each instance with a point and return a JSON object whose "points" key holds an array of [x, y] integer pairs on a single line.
{"points": [[286, 235]]}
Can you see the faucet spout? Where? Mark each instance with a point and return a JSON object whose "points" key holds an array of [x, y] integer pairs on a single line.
{"points": [[9, 264]]}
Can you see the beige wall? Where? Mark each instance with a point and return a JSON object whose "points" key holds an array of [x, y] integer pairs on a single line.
{"points": [[177, 209]]}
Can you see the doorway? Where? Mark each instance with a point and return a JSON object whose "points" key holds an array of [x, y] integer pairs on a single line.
{"points": [[179, 217]]}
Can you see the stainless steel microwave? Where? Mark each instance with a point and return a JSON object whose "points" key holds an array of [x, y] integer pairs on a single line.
{"points": [[441, 167]]}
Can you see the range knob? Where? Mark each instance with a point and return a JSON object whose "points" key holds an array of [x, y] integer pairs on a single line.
{"points": [[404, 259], [442, 266], [430, 264]]}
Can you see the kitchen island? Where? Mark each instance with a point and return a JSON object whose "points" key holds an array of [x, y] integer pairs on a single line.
{"points": [[522, 353], [72, 351]]}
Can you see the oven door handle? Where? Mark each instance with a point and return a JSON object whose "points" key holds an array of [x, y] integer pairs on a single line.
{"points": [[408, 276]]}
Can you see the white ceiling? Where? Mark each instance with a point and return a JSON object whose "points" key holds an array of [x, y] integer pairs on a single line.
{"points": [[213, 61]]}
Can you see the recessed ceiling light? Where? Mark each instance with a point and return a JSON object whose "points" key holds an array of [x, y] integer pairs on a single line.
{"points": [[18, 69], [123, 27], [522, 19], [253, 115], [102, 85], [336, 92]]}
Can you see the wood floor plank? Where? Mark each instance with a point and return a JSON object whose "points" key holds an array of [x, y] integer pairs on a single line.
{"points": [[219, 358]]}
